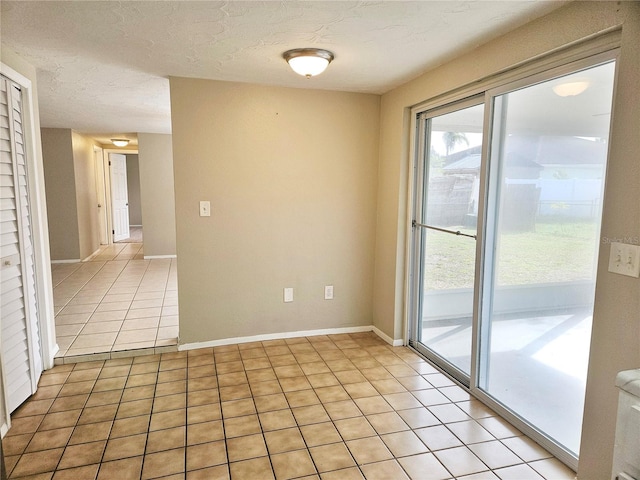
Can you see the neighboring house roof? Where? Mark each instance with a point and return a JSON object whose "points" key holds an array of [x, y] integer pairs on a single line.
{"points": [[568, 151]]}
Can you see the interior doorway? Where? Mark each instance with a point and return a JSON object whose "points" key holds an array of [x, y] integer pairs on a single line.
{"points": [[118, 196]]}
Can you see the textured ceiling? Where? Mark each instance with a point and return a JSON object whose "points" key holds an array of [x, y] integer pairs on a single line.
{"points": [[103, 66]]}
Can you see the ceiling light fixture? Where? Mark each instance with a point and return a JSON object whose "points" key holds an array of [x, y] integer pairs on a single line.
{"points": [[120, 142], [570, 89], [308, 62]]}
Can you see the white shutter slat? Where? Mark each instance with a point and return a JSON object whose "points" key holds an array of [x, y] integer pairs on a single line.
{"points": [[20, 336]]}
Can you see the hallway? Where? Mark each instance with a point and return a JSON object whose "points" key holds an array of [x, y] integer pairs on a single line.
{"points": [[117, 301]]}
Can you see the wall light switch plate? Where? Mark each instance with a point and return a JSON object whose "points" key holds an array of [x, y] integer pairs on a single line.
{"points": [[624, 259], [328, 292], [205, 208], [288, 295]]}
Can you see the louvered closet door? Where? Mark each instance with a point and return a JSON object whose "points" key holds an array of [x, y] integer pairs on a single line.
{"points": [[22, 362]]}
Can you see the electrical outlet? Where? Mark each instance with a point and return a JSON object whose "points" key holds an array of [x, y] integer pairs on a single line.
{"points": [[328, 292], [288, 295], [624, 259]]}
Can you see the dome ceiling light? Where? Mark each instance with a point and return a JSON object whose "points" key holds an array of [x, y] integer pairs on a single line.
{"points": [[308, 62]]}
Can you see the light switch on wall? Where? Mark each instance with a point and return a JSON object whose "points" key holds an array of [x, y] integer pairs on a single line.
{"points": [[205, 208], [624, 259], [288, 295]]}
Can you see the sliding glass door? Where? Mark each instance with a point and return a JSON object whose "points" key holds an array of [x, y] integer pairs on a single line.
{"points": [[447, 227], [506, 239], [549, 154]]}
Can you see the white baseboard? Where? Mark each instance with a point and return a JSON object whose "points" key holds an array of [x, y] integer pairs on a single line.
{"points": [[73, 260], [90, 257], [274, 336], [151, 257], [395, 343]]}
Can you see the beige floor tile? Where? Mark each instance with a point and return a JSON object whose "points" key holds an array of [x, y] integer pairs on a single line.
{"points": [[518, 472], [163, 463], [387, 422], [352, 473], [292, 464], [272, 402], [369, 450], [476, 409], [125, 447], [136, 336], [286, 440], [90, 433], [449, 413], [140, 323], [526, 449], [403, 444], [310, 414], [88, 471], [373, 405], [168, 439], [342, 409], [84, 454], [354, 428], [418, 417], [460, 461], [276, 420], [241, 426], [205, 432], [108, 316], [130, 426], [384, 470], [552, 468], [127, 469], [320, 434], [424, 466], [105, 339], [254, 468], [170, 419], [247, 447], [438, 437], [238, 408], [46, 440], [498, 427], [334, 456]]}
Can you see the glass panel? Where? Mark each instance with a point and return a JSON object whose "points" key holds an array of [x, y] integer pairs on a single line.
{"points": [[550, 147], [448, 260]]}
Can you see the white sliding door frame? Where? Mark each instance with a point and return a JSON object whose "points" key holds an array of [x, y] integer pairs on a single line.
{"points": [[599, 51]]}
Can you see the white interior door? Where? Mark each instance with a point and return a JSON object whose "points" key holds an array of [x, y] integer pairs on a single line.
{"points": [[22, 359], [119, 196], [101, 197]]}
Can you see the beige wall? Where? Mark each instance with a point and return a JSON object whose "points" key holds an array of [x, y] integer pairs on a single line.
{"points": [[62, 208], [616, 328], [133, 189], [291, 177], [155, 161], [70, 178], [87, 203]]}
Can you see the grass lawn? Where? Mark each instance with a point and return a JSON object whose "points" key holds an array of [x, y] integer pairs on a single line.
{"points": [[554, 252]]}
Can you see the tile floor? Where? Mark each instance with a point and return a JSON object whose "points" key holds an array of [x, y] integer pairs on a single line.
{"points": [[117, 301], [326, 407]]}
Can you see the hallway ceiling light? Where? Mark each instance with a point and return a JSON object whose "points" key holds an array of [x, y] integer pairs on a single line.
{"points": [[570, 89], [308, 62], [120, 142]]}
